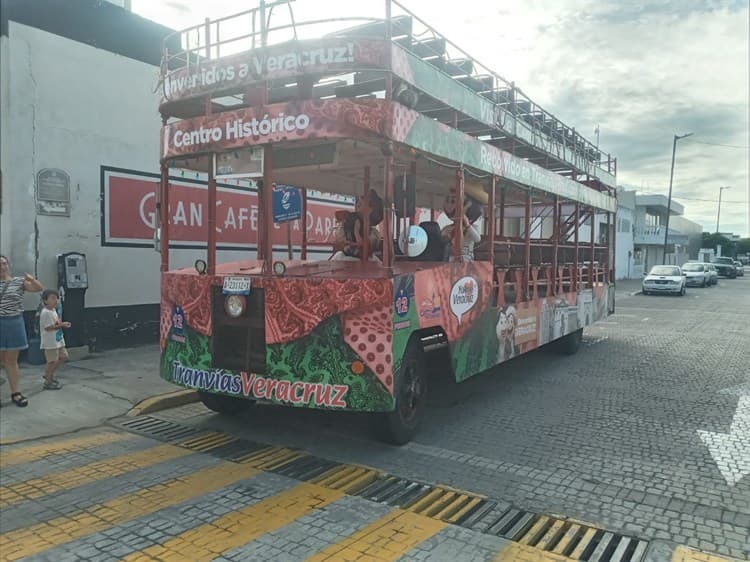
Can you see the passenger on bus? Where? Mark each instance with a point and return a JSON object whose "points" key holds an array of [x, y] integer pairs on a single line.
{"points": [[475, 197], [350, 233]]}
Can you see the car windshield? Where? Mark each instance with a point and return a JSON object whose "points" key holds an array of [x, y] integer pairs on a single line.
{"points": [[692, 267], [665, 270]]}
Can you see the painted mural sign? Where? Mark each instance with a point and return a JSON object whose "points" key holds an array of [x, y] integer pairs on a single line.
{"points": [[275, 62], [261, 388], [362, 328], [129, 213]]}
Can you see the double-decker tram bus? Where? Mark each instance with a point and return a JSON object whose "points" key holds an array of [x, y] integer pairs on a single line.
{"points": [[472, 222]]}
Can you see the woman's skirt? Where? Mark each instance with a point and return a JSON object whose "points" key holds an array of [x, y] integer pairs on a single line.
{"points": [[12, 333]]}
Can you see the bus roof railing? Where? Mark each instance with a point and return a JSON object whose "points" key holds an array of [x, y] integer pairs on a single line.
{"points": [[426, 43]]}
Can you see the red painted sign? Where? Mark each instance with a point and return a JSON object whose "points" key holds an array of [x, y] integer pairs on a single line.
{"points": [[130, 213], [282, 122]]}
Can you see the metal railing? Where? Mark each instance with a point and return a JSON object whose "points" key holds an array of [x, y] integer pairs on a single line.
{"points": [[548, 133]]}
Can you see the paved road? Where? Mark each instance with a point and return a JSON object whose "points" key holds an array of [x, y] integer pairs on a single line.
{"points": [[643, 435]]}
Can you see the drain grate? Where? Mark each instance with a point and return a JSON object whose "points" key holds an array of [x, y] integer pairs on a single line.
{"points": [[305, 468], [347, 478], [159, 429], [565, 537], [568, 538]]}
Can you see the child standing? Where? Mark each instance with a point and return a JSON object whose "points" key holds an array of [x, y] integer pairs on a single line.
{"points": [[52, 341]]}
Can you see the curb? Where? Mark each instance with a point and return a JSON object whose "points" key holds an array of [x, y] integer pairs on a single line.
{"points": [[163, 402]]}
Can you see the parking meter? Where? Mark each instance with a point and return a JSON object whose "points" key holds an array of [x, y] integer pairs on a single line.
{"points": [[72, 278]]}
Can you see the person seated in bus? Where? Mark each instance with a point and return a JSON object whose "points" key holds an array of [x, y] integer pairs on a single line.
{"points": [[472, 211], [474, 198], [342, 243], [350, 232]]}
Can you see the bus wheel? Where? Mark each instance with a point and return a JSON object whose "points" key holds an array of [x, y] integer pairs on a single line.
{"points": [[568, 345], [400, 426], [222, 404]]}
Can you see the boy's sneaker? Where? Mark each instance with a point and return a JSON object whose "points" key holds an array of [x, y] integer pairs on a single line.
{"points": [[54, 384]]}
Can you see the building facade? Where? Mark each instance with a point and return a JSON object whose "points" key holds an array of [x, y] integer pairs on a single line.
{"points": [[641, 225]]}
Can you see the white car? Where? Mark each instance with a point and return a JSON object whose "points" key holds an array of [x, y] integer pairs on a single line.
{"points": [[713, 272], [664, 279], [696, 275]]}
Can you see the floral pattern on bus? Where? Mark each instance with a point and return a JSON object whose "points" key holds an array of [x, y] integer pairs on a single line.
{"points": [[299, 305]]}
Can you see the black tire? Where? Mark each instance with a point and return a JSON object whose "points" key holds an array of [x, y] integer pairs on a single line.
{"points": [[570, 344], [645, 292], [704, 283], [682, 292], [222, 404], [401, 425]]}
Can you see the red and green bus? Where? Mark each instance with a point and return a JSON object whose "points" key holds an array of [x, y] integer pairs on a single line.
{"points": [[388, 111]]}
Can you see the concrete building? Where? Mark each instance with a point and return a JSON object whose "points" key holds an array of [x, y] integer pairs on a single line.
{"points": [[79, 163], [641, 223], [77, 95], [624, 250]]}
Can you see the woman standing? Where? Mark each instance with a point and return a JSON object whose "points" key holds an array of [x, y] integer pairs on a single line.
{"points": [[12, 327]]}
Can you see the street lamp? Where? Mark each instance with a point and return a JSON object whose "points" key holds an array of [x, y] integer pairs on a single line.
{"points": [[718, 213], [669, 199]]}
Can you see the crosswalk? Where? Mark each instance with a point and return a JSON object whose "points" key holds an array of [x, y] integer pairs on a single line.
{"points": [[108, 494]]}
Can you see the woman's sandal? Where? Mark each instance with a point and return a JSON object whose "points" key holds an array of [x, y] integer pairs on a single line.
{"points": [[19, 399]]}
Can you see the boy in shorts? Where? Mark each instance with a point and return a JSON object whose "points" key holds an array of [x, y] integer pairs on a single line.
{"points": [[52, 342]]}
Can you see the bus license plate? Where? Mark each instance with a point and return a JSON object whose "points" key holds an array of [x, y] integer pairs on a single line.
{"points": [[236, 286]]}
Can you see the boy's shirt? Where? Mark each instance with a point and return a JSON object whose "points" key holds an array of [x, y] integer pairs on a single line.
{"points": [[50, 339]]}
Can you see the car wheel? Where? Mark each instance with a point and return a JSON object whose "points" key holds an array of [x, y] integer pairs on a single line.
{"points": [[682, 292], [703, 284], [400, 426], [569, 345], [645, 292]]}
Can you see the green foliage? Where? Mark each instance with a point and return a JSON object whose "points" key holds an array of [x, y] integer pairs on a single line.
{"points": [[713, 239]]}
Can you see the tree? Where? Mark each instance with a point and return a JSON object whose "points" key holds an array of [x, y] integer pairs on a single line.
{"points": [[713, 239], [743, 246]]}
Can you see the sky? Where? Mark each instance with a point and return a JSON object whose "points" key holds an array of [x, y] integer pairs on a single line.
{"points": [[642, 71]]}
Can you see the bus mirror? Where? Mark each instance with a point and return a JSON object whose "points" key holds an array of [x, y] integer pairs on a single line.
{"points": [[413, 242]]}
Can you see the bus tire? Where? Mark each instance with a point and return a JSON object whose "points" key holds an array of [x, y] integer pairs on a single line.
{"points": [[401, 425], [222, 404], [568, 345]]}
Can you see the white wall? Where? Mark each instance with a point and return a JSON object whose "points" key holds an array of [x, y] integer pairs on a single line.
{"points": [[624, 244], [73, 107]]}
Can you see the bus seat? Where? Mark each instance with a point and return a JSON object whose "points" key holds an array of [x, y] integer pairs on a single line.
{"points": [[435, 250]]}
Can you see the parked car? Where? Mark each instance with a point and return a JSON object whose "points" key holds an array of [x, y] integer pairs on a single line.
{"points": [[664, 279], [725, 267], [696, 275], [713, 272], [740, 268]]}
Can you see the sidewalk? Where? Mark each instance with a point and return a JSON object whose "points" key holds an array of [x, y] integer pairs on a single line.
{"points": [[627, 287], [99, 387]]}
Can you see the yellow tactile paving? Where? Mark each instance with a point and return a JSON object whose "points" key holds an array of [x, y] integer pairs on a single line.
{"points": [[514, 552], [43, 536], [69, 479], [230, 531], [685, 554], [388, 538], [10, 457]]}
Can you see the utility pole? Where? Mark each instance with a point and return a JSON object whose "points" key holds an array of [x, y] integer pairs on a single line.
{"points": [[718, 213], [669, 199]]}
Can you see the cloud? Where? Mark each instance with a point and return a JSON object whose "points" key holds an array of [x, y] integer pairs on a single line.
{"points": [[642, 71]]}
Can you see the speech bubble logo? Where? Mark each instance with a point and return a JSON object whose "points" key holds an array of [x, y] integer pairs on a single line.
{"points": [[464, 295]]}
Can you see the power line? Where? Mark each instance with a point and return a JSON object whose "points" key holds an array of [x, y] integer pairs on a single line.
{"points": [[707, 200], [721, 144]]}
